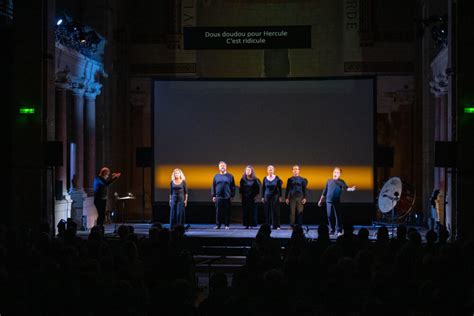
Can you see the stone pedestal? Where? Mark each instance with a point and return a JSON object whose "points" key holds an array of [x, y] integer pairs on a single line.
{"points": [[77, 207], [90, 211], [62, 209]]}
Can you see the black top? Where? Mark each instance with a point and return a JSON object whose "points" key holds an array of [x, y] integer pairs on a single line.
{"points": [[271, 188], [333, 190], [223, 186], [178, 191], [296, 187], [249, 188], [100, 187]]}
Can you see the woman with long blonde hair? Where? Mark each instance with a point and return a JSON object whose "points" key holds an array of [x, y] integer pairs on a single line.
{"points": [[178, 198]]}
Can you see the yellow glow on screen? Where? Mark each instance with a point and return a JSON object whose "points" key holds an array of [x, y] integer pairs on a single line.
{"points": [[200, 177]]}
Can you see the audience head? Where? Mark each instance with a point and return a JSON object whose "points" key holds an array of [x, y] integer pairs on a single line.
{"points": [[348, 229], [265, 230], [95, 234], [123, 232], [401, 232], [431, 237], [443, 234], [323, 232], [157, 225], [414, 236], [61, 228], [297, 231], [382, 234], [71, 229], [363, 234], [153, 233]]}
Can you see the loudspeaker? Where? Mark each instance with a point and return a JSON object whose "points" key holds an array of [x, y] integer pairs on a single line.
{"points": [[58, 190], [384, 156], [445, 154], [143, 157], [53, 153]]}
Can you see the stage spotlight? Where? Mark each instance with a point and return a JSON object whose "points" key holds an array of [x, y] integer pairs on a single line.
{"points": [[82, 37], [59, 22]]}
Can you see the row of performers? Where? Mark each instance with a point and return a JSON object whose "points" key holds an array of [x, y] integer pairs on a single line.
{"points": [[223, 190]]}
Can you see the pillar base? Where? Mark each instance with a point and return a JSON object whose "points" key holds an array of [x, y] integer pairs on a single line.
{"points": [[77, 207], [90, 211], [62, 209]]}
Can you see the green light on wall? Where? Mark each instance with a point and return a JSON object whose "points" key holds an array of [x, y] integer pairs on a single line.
{"points": [[27, 111], [469, 110]]}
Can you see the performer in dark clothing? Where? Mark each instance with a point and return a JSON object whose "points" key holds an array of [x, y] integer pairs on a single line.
{"points": [[223, 190], [249, 189], [178, 198], [332, 193], [295, 195], [101, 182], [271, 197], [433, 218]]}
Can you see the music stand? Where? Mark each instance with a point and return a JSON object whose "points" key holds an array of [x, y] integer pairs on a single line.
{"points": [[123, 199]]}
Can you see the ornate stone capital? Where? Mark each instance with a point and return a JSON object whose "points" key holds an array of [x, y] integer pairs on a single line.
{"points": [[93, 89], [63, 78], [77, 86], [439, 84], [78, 91]]}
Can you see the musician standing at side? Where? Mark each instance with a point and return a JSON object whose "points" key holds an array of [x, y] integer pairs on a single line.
{"points": [[101, 183], [332, 194]]}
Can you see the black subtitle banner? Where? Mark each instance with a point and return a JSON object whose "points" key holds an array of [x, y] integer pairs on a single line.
{"points": [[247, 37]]}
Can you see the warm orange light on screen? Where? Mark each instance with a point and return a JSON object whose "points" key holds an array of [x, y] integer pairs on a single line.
{"points": [[200, 176]]}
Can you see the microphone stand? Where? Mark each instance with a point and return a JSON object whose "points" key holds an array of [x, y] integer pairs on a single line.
{"points": [[115, 212], [395, 198]]}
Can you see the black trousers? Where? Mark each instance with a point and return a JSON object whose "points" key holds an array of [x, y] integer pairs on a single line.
{"points": [[334, 207], [272, 211], [222, 212], [177, 212], [249, 212], [100, 205]]}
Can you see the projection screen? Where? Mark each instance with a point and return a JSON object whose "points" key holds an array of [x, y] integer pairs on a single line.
{"points": [[315, 123]]}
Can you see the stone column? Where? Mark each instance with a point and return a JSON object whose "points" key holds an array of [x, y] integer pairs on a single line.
{"points": [[77, 159], [61, 134], [89, 143], [62, 208], [78, 138]]}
